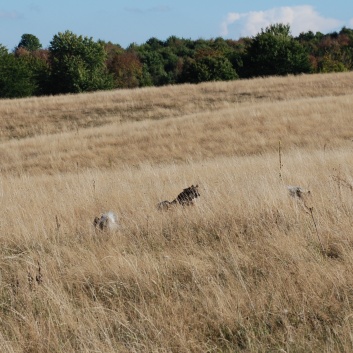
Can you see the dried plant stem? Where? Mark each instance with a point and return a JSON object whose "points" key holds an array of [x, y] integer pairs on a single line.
{"points": [[280, 159], [317, 232], [57, 223]]}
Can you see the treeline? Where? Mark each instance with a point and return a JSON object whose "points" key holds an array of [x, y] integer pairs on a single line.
{"points": [[73, 64]]}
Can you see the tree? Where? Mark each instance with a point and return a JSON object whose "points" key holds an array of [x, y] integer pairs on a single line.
{"points": [[155, 43], [208, 64], [161, 60], [208, 68], [275, 52], [178, 46], [330, 52], [38, 62], [126, 69], [29, 42], [153, 64], [328, 64], [3, 50], [77, 64], [16, 77]]}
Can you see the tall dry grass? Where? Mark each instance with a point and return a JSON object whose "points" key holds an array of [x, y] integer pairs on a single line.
{"points": [[248, 269], [196, 122]]}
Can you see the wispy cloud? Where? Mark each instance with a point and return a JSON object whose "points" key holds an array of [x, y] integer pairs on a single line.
{"points": [[159, 8], [300, 18], [10, 15]]}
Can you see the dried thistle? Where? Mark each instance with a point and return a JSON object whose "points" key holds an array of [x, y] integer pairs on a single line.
{"points": [[30, 280], [341, 181], [302, 195], [39, 277], [280, 159], [317, 232], [15, 285], [57, 223]]}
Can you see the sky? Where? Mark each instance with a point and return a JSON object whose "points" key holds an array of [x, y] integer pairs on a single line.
{"points": [[125, 22]]}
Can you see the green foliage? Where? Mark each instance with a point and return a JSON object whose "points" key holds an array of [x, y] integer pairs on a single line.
{"points": [[331, 52], [182, 60], [17, 78], [78, 64], [74, 64], [161, 60], [348, 33], [180, 47], [208, 68], [3, 50], [154, 63], [29, 42], [328, 64], [275, 52], [154, 43]]}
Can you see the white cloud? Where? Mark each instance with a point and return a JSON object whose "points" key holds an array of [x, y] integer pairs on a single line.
{"points": [[231, 18], [351, 22], [300, 18]]}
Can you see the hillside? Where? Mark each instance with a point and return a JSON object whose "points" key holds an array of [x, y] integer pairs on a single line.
{"points": [[203, 121], [247, 269]]}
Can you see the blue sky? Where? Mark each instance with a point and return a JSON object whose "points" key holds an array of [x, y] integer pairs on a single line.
{"points": [[126, 21]]}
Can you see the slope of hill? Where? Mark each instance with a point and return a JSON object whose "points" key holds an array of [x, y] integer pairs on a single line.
{"points": [[175, 123], [247, 269]]}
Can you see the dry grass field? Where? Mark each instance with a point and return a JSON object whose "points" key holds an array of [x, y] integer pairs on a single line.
{"points": [[247, 269]]}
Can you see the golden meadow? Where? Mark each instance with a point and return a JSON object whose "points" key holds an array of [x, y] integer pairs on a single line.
{"points": [[247, 269]]}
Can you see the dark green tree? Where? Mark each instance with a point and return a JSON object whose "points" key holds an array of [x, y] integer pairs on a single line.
{"points": [[235, 54], [155, 44], [78, 64], [29, 42], [153, 64], [170, 64], [17, 78], [38, 63], [178, 46], [207, 65], [275, 52], [3, 50], [161, 60]]}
